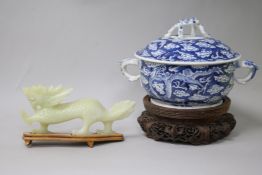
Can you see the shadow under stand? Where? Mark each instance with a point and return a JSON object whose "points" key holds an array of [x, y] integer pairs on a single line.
{"points": [[190, 126]]}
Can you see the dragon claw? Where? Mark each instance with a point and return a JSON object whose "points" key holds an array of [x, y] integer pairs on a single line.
{"points": [[40, 131], [79, 132], [99, 131], [104, 132]]}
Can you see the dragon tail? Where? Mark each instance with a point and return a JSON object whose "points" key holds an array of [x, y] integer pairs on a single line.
{"points": [[121, 110]]}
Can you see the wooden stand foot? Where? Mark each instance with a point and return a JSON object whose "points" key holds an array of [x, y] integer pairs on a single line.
{"points": [[90, 144], [28, 142]]}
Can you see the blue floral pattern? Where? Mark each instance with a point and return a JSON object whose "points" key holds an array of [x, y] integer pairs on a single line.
{"points": [[187, 85], [188, 50]]}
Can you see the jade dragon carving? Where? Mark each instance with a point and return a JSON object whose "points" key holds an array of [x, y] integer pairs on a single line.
{"points": [[47, 103]]}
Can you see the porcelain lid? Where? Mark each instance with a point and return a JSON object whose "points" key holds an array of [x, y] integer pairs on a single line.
{"points": [[190, 48]]}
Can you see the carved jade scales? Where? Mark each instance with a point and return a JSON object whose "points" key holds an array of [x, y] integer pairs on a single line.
{"points": [[47, 103]]}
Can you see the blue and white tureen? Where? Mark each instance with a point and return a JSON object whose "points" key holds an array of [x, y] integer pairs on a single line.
{"points": [[188, 70]]}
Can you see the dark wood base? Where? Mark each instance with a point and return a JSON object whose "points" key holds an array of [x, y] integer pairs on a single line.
{"points": [[191, 126]]}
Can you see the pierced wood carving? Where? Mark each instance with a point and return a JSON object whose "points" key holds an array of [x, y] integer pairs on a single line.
{"points": [[199, 126]]}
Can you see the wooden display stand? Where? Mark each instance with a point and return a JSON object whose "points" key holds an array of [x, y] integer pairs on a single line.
{"points": [[191, 126], [90, 140]]}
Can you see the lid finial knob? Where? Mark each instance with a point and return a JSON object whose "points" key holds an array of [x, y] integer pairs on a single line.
{"points": [[194, 25]]}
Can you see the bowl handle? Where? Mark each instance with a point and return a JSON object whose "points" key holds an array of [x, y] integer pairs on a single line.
{"points": [[252, 67], [124, 64]]}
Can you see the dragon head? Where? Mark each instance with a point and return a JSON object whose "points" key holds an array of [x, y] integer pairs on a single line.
{"points": [[43, 97]]}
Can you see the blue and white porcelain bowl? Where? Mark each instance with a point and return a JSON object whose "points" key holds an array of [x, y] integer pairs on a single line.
{"points": [[188, 70]]}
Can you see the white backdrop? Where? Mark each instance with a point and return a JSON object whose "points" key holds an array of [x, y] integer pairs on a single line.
{"points": [[79, 44]]}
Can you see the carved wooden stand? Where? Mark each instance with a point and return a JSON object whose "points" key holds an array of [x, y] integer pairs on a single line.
{"points": [[90, 140], [191, 126]]}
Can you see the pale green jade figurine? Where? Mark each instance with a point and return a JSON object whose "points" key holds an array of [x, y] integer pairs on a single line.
{"points": [[47, 103]]}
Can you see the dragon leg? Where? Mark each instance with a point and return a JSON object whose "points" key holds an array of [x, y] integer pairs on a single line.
{"points": [[42, 130], [84, 130], [107, 128]]}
